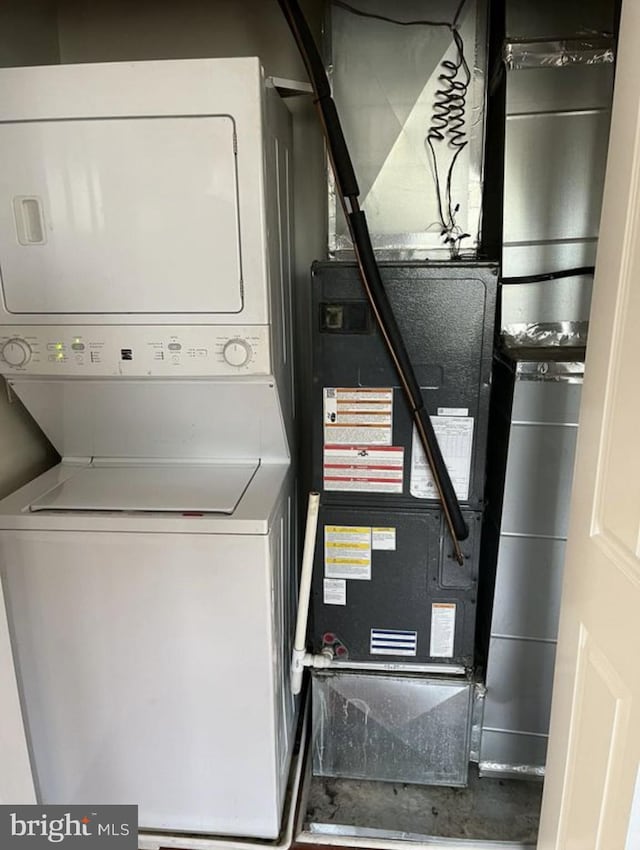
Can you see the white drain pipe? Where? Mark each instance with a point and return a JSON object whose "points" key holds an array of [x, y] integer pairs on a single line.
{"points": [[301, 658]]}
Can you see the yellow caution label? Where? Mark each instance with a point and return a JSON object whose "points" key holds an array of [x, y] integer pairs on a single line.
{"points": [[361, 561]]}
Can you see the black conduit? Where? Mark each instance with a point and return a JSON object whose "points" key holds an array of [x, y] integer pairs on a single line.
{"points": [[348, 191], [582, 271]]}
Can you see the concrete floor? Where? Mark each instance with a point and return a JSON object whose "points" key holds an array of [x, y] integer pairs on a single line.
{"points": [[487, 809]]}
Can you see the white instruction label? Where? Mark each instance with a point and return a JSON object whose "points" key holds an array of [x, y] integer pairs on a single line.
{"points": [[455, 438], [347, 552], [443, 629], [362, 468], [383, 538], [334, 591], [358, 415], [453, 411]]}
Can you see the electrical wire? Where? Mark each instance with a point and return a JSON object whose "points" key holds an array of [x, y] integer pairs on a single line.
{"points": [[448, 128], [458, 13], [580, 271], [419, 23]]}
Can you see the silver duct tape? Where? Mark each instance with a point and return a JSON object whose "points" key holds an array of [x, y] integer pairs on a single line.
{"points": [[398, 247], [523, 771], [551, 370], [477, 719], [596, 50], [545, 334]]}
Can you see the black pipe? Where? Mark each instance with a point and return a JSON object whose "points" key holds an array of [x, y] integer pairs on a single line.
{"points": [[348, 191], [341, 161], [393, 337]]}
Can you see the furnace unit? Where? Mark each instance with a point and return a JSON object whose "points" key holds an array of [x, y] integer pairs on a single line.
{"points": [[389, 597]]}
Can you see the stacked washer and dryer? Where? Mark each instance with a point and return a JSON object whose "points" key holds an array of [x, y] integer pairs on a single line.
{"points": [[148, 578]]}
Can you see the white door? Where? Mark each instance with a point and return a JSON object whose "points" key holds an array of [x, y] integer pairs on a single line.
{"points": [[594, 750]]}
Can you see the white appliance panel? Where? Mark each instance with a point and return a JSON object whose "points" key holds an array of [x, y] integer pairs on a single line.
{"points": [[120, 216], [146, 663], [216, 419], [156, 350], [215, 488]]}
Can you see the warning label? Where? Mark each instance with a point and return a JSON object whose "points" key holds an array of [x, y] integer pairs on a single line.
{"points": [[383, 538], [358, 415], [363, 468], [455, 438], [334, 591], [443, 629], [347, 552]]}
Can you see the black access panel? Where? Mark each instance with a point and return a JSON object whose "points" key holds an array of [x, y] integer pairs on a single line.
{"points": [[364, 449], [387, 589]]}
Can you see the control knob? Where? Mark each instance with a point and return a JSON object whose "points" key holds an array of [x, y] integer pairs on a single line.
{"points": [[237, 352], [16, 352]]}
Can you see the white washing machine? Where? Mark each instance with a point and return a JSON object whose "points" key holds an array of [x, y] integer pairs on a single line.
{"points": [[145, 324]]}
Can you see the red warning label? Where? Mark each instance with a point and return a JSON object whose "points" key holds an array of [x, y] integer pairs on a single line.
{"points": [[367, 469]]}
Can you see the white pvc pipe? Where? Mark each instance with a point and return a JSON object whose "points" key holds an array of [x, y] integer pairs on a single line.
{"points": [[321, 661], [300, 639]]}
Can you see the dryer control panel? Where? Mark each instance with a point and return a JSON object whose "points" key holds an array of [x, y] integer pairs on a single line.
{"points": [[188, 350]]}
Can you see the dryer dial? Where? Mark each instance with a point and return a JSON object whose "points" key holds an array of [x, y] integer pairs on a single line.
{"points": [[237, 352], [16, 352]]}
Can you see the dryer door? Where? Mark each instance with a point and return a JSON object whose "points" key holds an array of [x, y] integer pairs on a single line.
{"points": [[120, 216]]}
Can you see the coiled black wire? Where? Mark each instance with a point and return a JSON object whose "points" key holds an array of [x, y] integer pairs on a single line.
{"points": [[451, 99], [448, 127]]}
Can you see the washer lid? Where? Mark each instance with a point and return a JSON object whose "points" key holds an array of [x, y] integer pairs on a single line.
{"points": [[205, 488]]}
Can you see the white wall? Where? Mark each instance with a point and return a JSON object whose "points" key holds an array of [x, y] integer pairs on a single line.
{"points": [[108, 30]]}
